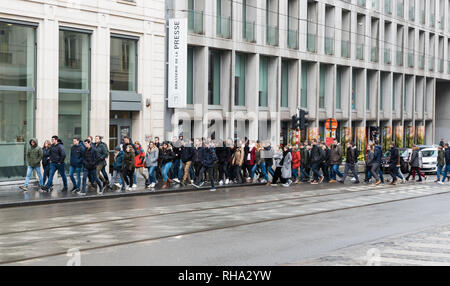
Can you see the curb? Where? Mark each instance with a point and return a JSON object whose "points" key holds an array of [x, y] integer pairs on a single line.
{"points": [[114, 195]]}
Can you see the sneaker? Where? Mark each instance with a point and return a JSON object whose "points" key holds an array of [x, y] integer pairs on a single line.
{"points": [[195, 185], [129, 189], [332, 181], [314, 183], [263, 181], [227, 181], [201, 184], [213, 190], [24, 188], [274, 185], [134, 186], [81, 193], [176, 180], [192, 182], [221, 182], [440, 183], [285, 185], [118, 185], [341, 181], [75, 190], [63, 190], [152, 185]]}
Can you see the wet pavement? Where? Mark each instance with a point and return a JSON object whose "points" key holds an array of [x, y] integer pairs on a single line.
{"points": [[253, 225]]}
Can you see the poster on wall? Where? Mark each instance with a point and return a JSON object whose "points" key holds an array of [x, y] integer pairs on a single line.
{"points": [[345, 138], [420, 135], [361, 142], [313, 133], [387, 137], [410, 132], [177, 63], [399, 136]]}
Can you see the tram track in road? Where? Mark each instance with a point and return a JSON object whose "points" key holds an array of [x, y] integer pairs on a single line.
{"points": [[220, 227], [257, 202]]}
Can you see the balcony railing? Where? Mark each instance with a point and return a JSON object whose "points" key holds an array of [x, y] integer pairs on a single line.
{"points": [[345, 49], [360, 51], [421, 62], [272, 35], [224, 27], [387, 56], [195, 21], [411, 60], [374, 54], [292, 39], [399, 58], [249, 32], [329, 45], [311, 43]]}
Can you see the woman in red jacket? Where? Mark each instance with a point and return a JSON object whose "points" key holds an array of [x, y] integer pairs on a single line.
{"points": [[295, 163], [139, 163], [250, 160]]}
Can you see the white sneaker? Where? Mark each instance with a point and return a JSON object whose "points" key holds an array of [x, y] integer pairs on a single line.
{"points": [[221, 182], [152, 185], [176, 180], [274, 185], [213, 190], [285, 185], [227, 181], [129, 189], [118, 185], [440, 183], [263, 181]]}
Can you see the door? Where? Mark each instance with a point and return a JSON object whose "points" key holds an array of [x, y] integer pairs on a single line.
{"points": [[118, 128]]}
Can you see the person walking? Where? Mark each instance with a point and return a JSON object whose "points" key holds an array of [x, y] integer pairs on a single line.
{"points": [[335, 161], [369, 161], [187, 156], [46, 161], [304, 163], [447, 163], [117, 167], [223, 153], [128, 168], [139, 164], [295, 164], [90, 162], [351, 163], [151, 162], [34, 157], [102, 154], [376, 163], [286, 169], [208, 166], [416, 163], [394, 160], [167, 158], [237, 161], [57, 157], [277, 157], [317, 157], [440, 163], [250, 160], [76, 164]]}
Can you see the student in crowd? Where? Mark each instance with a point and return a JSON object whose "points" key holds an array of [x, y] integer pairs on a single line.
{"points": [[57, 157], [34, 158], [76, 163], [90, 162], [151, 163]]}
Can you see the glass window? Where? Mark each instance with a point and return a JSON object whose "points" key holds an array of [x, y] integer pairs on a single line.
{"points": [[73, 60], [214, 78], [74, 74], [304, 87], [263, 81], [368, 93], [17, 55], [338, 89], [322, 87], [241, 61], [123, 64], [17, 71], [190, 76], [284, 83]]}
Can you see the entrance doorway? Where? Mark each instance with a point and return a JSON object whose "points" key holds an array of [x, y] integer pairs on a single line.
{"points": [[119, 127]]}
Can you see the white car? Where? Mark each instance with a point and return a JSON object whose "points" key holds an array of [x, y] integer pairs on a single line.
{"points": [[429, 160]]}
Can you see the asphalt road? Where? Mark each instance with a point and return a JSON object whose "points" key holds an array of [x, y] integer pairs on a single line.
{"points": [[304, 225]]}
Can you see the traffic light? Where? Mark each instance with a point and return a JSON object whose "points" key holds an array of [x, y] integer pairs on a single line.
{"points": [[303, 120], [295, 122]]}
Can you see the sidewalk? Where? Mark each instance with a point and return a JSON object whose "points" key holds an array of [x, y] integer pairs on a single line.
{"points": [[12, 196]]}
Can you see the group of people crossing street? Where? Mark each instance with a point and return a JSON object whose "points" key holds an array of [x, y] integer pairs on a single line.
{"points": [[202, 161]]}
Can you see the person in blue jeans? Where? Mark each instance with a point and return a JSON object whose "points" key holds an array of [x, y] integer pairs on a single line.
{"points": [[447, 162], [440, 163], [167, 158], [151, 162], [90, 162], [46, 161], [57, 157], [76, 163], [34, 157]]}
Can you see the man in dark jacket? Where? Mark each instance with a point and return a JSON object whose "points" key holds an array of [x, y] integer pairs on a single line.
{"points": [[447, 162], [177, 171], [335, 160], [102, 154], [76, 163], [223, 154], [198, 157], [316, 159], [90, 162], [304, 163], [440, 163], [187, 156], [376, 163], [351, 163], [34, 157], [209, 157], [394, 159], [57, 157]]}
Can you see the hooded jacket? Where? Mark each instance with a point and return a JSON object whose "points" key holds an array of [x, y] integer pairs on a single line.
{"points": [[128, 160], [76, 155], [187, 154], [378, 154], [447, 156], [90, 158], [335, 155], [102, 152], [34, 154], [393, 159], [151, 159], [352, 157], [295, 160], [139, 159], [118, 161], [57, 153], [304, 157], [46, 156], [316, 154], [167, 156], [209, 158], [441, 158]]}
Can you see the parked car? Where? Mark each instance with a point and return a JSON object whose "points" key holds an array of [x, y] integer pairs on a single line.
{"points": [[429, 160], [421, 147], [404, 152]]}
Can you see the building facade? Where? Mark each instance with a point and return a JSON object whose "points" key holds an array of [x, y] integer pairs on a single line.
{"points": [[75, 68], [366, 63]]}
